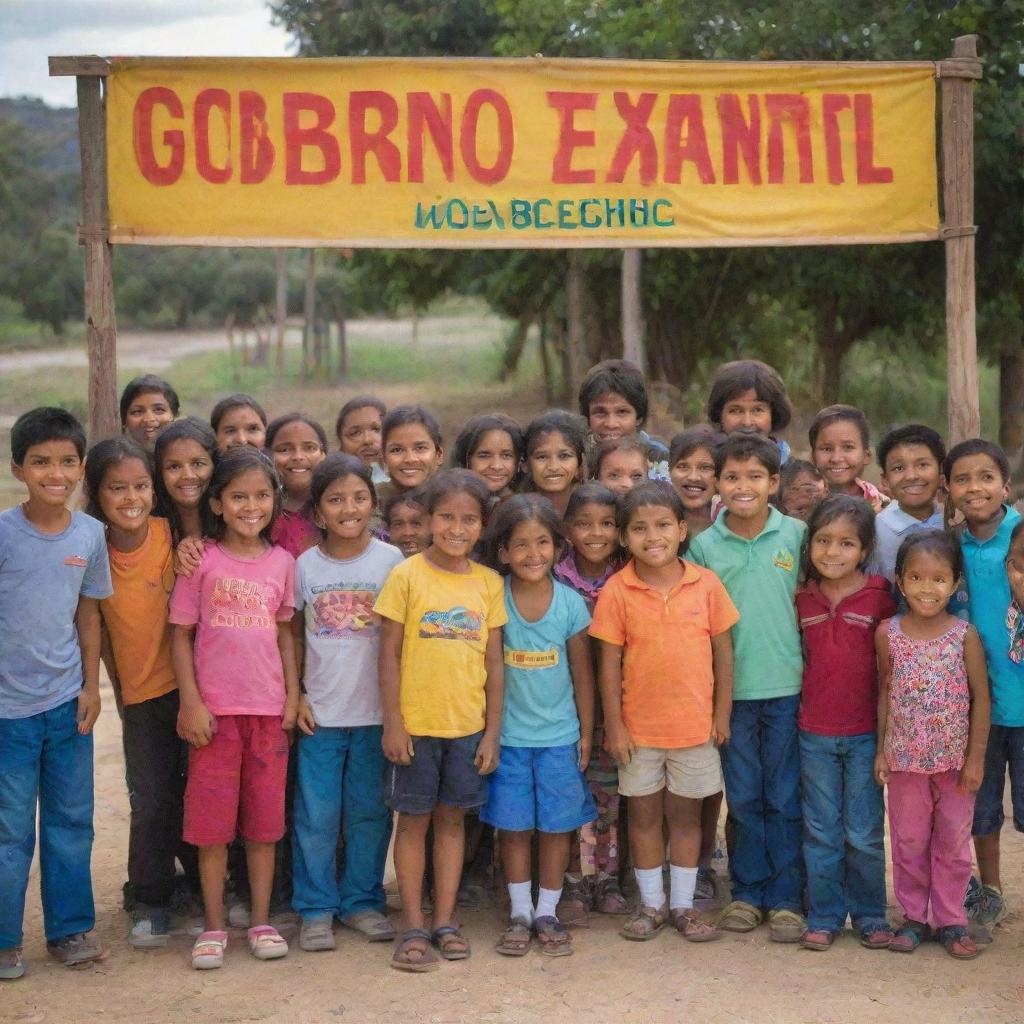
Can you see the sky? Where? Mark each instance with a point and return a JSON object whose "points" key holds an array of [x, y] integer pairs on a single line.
{"points": [[32, 30]]}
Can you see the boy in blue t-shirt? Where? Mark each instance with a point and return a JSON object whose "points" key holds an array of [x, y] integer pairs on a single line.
{"points": [[978, 477], [53, 573]]}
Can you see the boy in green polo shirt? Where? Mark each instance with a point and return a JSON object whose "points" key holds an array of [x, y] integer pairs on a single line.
{"points": [[755, 550]]}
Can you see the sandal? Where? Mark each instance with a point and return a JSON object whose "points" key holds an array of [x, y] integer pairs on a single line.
{"points": [[957, 943], [786, 925], [876, 938], [573, 908], [908, 937], [693, 926], [415, 940], [553, 937], [644, 924], [608, 898], [208, 950], [516, 938], [740, 916], [450, 942], [817, 938], [266, 942]]}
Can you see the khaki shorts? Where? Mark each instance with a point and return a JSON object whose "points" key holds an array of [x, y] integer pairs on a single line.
{"points": [[691, 772]]}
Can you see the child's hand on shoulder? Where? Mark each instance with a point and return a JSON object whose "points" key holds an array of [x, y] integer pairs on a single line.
{"points": [[397, 743], [881, 769], [971, 775], [188, 556], [88, 709], [195, 723], [304, 718], [618, 742], [487, 753]]}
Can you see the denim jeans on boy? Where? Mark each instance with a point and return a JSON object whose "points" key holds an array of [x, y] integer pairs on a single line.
{"points": [[761, 765], [44, 760], [340, 784], [844, 847]]}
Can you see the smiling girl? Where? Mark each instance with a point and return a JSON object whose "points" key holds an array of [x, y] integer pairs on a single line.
{"points": [[492, 447], [555, 456], [413, 450], [148, 404], [297, 445]]}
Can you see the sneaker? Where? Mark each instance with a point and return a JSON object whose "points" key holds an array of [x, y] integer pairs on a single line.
{"points": [[78, 948], [238, 915], [151, 928], [972, 898], [11, 964], [317, 933], [705, 887], [992, 909]]}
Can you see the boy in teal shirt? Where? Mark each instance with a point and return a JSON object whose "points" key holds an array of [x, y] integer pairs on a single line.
{"points": [[755, 549]]}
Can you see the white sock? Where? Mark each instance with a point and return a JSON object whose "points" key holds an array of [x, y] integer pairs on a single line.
{"points": [[522, 901], [682, 881], [547, 901], [652, 887]]}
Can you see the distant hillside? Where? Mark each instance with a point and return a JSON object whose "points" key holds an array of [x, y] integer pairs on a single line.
{"points": [[54, 131]]}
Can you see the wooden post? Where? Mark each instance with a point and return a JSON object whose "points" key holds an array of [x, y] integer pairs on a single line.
{"points": [[280, 307], [956, 77], [309, 310], [632, 309]]}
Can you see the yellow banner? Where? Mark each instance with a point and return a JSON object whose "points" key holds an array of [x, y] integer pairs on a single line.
{"points": [[519, 153]]}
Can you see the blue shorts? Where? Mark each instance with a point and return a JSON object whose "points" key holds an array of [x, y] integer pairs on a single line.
{"points": [[541, 788], [1005, 750], [441, 772]]}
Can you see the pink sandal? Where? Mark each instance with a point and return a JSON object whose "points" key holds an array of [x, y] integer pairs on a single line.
{"points": [[208, 950], [266, 942]]}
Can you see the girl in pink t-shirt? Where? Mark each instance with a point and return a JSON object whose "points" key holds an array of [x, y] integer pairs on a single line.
{"points": [[297, 445], [234, 658]]}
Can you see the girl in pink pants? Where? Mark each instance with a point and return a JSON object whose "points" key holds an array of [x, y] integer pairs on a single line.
{"points": [[933, 719]]}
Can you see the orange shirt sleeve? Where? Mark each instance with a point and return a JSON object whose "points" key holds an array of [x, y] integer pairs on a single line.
{"points": [[609, 621], [722, 613]]}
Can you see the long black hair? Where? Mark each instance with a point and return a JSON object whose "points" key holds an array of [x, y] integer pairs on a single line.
{"points": [[190, 428]]}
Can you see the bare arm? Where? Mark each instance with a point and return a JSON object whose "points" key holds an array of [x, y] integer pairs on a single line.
{"points": [[87, 621], [721, 654], [195, 723], [286, 645], [981, 712], [617, 740], [884, 676], [488, 751], [581, 665], [397, 741], [304, 717]]}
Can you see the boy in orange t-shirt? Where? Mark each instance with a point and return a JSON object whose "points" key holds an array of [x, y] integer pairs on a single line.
{"points": [[665, 650]]}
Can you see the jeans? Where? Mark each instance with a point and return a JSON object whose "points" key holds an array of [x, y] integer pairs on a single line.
{"points": [[45, 761], [844, 847], [761, 765], [339, 785]]}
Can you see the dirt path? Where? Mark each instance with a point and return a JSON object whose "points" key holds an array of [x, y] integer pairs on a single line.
{"points": [[740, 979]]}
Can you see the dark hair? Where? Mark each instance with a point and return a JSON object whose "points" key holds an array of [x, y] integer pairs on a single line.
{"points": [[742, 447], [473, 432], [520, 508], [233, 463], [337, 466], [148, 383], [795, 468], [591, 493], [653, 493], [615, 444], [912, 433], [732, 379], [977, 446], [688, 441], [102, 456], [280, 422], [449, 482], [619, 376], [37, 426], [190, 428], [414, 499], [837, 414], [557, 421], [933, 542], [829, 511], [1015, 533], [405, 414], [359, 402], [225, 405]]}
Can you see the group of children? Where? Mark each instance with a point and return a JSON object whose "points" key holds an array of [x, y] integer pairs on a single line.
{"points": [[518, 637]]}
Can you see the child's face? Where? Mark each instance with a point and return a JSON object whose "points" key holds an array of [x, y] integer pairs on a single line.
{"points": [[238, 426], [553, 464], [126, 495], [802, 495], [593, 533], [912, 475], [148, 414], [296, 451], [745, 486], [610, 415], [653, 535], [186, 470], [456, 524], [928, 582], [360, 434], [745, 413], [345, 507], [51, 471], [623, 470], [409, 529], [977, 488], [1015, 570], [693, 478], [494, 460], [835, 549], [840, 454], [246, 504], [410, 455], [530, 552]]}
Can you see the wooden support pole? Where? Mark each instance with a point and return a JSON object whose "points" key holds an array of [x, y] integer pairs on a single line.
{"points": [[280, 307], [956, 78], [632, 309]]}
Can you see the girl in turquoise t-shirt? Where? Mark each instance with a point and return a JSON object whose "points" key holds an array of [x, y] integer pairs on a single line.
{"points": [[547, 721]]}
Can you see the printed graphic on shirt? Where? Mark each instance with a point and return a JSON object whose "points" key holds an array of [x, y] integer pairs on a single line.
{"points": [[531, 659], [783, 558], [243, 604], [340, 612], [76, 560], [454, 624]]}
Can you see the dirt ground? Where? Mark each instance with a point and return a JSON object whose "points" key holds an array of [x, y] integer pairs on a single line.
{"points": [[743, 978]]}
